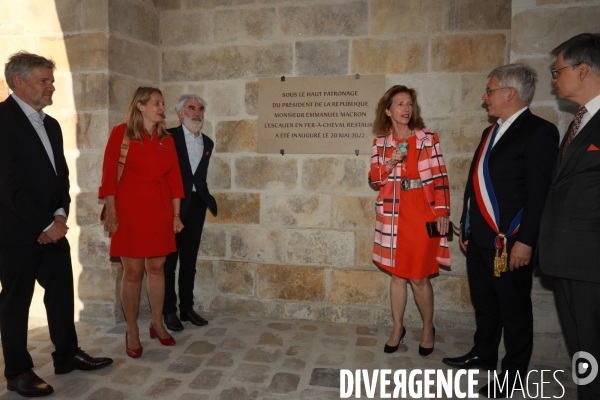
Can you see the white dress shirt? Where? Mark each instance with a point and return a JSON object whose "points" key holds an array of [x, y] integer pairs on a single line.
{"points": [[504, 125], [37, 120], [195, 147]]}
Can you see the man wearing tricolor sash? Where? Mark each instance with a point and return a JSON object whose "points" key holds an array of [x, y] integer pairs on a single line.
{"points": [[506, 188]]}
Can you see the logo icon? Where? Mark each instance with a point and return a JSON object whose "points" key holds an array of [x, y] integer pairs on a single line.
{"points": [[584, 368]]}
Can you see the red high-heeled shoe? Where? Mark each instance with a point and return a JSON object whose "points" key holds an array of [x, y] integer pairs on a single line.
{"points": [[137, 353], [165, 342]]}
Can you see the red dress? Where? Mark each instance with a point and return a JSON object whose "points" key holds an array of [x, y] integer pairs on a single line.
{"points": [[415, 255], [150, 181]]}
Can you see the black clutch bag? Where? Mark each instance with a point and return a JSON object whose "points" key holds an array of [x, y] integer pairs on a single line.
{"points": [[432, 229]]}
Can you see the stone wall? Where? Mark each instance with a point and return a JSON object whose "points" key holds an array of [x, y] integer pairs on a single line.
{"points": [[294, 234]]}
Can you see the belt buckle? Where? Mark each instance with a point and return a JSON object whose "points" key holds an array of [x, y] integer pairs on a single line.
{"points": [[404, 184]]}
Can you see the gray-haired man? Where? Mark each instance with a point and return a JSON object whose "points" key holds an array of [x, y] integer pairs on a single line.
{"points": [[194, 150]]}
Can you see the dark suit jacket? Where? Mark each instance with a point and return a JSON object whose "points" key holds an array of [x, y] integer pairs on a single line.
{"points": [[30, 190], [520, 165], [569, 244], [198, 178]]}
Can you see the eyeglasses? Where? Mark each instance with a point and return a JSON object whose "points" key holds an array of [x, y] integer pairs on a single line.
{"points": [[554, 71], [489, 91]]}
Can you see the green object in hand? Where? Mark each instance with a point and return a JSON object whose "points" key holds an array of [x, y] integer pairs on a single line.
{"points": [[403, 147]]}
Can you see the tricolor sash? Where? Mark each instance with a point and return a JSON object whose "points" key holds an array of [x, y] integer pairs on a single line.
{"points": [[488, 204]]}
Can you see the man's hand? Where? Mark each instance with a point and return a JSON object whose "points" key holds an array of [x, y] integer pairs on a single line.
{"points": [[463, 244], [43, 238], [58, 230], [520, 255]]}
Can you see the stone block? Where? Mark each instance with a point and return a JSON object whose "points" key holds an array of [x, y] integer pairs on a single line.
{"points": [[95, 15], [358, 287], [543, 2], [229, 62], [351, 314], [284, 382], [334, 174], [133, 58], [164, 5], [134, 20], [105, 393], [253, 307], [473, 87], [208, 379], [327, 377], [65, 16], [190, 4], [120, 90], [270, 339], [539, 30], [184, 28], [164, 387], [92, 249], [204, 279], [235, 25], [256, 244], [90, 91], [213, 242], [325, 19], [236, 208], [251, 98], [473, 15], [319, 247], [84, 130], [305, 311], [322, 58], [452, 293], [236, 393], [458, 172], [236, 136], [200, 348], [253, 373], [393, 17], [363, 242], [82, 52], [436, 94], [219, 174], [99, 283], [14, 19], [185, 364], [291, 283], [223, 98], [133, 375], [221, 360], [171, 94], [353, 212], [468, 53], [87, 171], [87, 208], [459, 135], [380, 56], [296, 210], [103, 312], [266, 172], [235, 278]]}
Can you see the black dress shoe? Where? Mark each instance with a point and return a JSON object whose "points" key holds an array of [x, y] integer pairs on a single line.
{"points": [[393, 349], [172, 322], [83, 362], [424, 351], [28, 384], [193, 317], [469, 361]]}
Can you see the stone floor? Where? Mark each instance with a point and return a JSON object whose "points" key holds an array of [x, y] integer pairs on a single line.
{"points": [[237, 357]]}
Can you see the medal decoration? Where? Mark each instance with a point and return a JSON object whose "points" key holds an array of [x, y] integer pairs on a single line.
{"points": [[488, 204]]}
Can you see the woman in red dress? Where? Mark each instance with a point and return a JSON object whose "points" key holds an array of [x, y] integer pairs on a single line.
{"points": [[142, 208], [408, 167]]}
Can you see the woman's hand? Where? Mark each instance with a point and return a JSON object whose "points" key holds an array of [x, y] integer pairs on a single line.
{"points": [[177, 225], [395, 159], [111, 223], [443, 224]]}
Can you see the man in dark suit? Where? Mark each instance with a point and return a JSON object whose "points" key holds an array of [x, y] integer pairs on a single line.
{"points": [[34, 205], [504, 196], [194, 150], [569, 244]]}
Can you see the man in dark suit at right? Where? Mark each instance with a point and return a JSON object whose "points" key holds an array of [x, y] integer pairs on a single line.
{"points": [[569, 244], [193, 150], [506, 188]]}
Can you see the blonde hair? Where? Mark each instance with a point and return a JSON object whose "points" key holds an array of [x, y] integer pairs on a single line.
{"points": [[133, 118], [383, 123]]}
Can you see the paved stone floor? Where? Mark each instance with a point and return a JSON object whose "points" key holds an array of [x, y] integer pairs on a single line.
{"points": [[237, 357]]}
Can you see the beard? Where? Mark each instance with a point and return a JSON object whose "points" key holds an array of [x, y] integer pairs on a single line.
{"points": [[193, 125]]}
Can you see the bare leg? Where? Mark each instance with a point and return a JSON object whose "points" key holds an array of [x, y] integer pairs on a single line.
{"points": [[131, 287], [398, 302], [424, 297], [155, 284]]}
